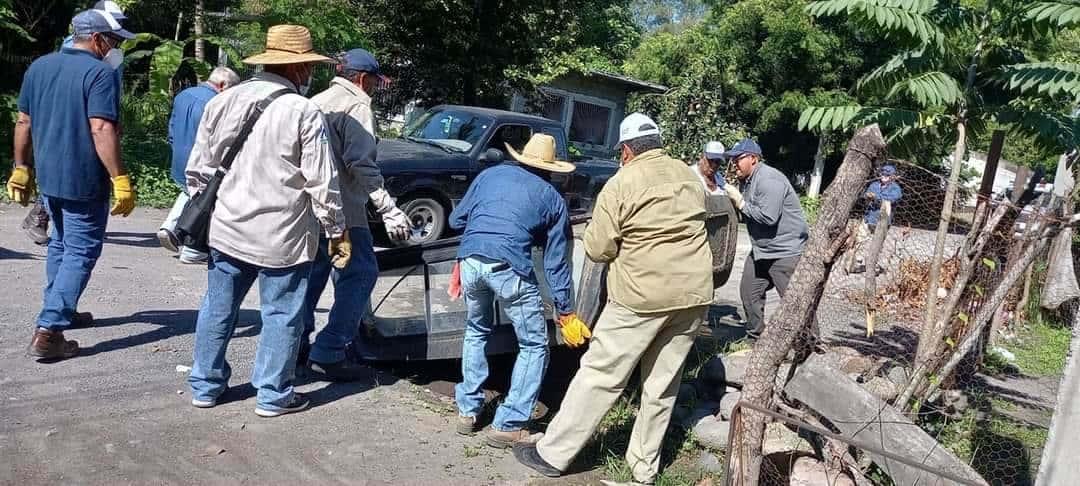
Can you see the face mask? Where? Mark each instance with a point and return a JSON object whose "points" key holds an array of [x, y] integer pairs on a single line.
{"points": [[304, 88], [114, 58]]}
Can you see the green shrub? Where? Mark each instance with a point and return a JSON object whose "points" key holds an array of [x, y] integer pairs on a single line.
{"points": [[810, 206], [147, 154]]}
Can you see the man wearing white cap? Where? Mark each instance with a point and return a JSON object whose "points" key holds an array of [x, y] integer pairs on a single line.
{"points": [[708, 168], [280, 194], [649, 225], [66, 135], [36, 223]]}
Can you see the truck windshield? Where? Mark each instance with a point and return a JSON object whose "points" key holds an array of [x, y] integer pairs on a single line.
{"points": [[453, 129]]}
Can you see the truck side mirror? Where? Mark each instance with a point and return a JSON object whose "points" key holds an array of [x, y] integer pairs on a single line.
{"points": [[492, 156]]}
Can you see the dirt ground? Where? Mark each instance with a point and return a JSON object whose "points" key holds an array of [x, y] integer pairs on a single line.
{"points": [[120, 412]]}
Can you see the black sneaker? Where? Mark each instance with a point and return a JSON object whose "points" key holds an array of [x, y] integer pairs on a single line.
{"points": [[527, 454], [299, 402], [343, 370], [36, 224]]}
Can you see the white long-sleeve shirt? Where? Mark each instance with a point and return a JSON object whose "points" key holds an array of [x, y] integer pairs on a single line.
{"points": [[351, 124], [283, 184]]}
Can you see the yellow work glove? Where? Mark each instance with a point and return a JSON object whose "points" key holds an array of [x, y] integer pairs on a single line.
{"points": [[735, 196], [574, 330], [20, 185], [123, 195], [340, 251]]}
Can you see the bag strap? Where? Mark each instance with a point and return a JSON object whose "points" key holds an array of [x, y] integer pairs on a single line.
{"points": [[249, 124]]}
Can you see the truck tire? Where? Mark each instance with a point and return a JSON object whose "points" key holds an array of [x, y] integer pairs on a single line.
{"points": [[427, 217]]}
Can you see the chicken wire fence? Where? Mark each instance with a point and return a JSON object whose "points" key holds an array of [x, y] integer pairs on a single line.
{"points": [[987, 416]]}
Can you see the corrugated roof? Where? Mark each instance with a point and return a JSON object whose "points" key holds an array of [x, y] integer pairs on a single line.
{"points": [[636, 84]]}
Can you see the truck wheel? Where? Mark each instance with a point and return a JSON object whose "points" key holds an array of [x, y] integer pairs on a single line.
{"points": [[427, 218]]}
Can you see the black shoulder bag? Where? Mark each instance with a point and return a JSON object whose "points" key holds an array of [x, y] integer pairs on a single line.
{"points": [[193, 226]]}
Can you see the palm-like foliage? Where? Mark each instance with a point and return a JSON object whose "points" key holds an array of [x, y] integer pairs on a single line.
{"points": [[919, 93]]}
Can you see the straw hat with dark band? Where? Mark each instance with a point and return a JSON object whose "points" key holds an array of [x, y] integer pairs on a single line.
{"points": [[540, 153], [287, 44]]}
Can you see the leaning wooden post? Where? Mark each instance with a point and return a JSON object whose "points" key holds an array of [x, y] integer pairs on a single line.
{"points": [[871, 264], [796, 311]]}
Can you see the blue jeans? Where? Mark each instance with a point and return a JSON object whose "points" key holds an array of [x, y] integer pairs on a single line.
{"points": [[281, 293], [352, 292], [77, 237], [483, 281]]}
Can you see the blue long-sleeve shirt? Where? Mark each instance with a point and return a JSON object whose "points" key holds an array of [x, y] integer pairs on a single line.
{"points": [[188, 108], [506, 212], [891, 192]]}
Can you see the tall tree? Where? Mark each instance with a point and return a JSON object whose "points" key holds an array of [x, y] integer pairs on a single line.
{"points": [[961, 66]]}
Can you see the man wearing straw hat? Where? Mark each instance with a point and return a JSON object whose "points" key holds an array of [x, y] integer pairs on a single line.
{"points": [[507, 210], [280, 194], [649, 223]]}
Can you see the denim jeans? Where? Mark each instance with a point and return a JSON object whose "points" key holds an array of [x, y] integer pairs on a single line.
{"points": [[77, 237], [170, 224], [482, 282], [281, 293], [352, 292]]}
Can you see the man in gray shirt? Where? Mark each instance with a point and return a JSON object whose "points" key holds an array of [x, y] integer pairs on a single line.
{"points": [[777, 228]]}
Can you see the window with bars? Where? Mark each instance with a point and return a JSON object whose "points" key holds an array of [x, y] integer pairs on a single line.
{"points": [[589, 123]]}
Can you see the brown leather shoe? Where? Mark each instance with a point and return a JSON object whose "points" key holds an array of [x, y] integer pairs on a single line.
{"points": [[48, 344], [502, 440]]}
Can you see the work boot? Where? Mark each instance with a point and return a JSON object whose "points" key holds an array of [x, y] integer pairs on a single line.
{"points": [[168, 240], [501, 440], [81, 320], [48, 344], [466, 425], [526, 454], [36, 224], [343, 370]]}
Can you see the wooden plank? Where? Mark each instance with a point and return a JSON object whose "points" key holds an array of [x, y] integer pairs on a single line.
{"points": [[866, 419]]}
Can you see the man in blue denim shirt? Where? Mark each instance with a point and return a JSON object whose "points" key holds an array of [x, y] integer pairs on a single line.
{"points": [[187, 110], [507, 210]]}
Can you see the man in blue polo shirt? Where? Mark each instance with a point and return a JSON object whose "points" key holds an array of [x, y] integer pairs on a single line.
{"points": [[67, 136], [36, 223], [183, 125]]}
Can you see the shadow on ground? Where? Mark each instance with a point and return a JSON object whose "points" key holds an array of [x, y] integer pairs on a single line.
{"points": [[138, 240], [171, 323]]}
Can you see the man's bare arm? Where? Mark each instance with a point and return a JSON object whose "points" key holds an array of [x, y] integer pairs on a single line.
{"points": [[106, 134], [24, 146]]}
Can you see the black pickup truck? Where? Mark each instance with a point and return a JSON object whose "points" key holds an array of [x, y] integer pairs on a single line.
{"points": [[429, 168]]}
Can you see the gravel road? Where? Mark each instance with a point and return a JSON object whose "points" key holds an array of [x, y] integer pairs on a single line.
{"points": [[120, 412]]}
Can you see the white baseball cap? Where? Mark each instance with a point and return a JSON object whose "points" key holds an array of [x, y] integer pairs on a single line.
{"points": [[636, 125], [111, 8], [714, 150]]}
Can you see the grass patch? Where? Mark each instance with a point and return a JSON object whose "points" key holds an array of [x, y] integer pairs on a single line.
{"points": [[1002, 449], [995, 364], [607, 449], [1041, 347]]}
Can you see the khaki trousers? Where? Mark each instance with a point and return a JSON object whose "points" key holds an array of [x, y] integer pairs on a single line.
{"points": [[622, 339]]}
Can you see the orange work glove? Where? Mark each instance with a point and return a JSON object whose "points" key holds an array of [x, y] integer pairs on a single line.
{"points": [[454, 290], [574, 330]]}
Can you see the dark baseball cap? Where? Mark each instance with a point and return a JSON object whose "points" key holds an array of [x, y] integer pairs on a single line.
{"points": [[887, 170], [361, 60], [98, 22], [745, 146]]}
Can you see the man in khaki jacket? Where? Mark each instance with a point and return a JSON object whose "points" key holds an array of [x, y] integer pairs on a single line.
{"points": [[649, 224], [351, 126]]}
